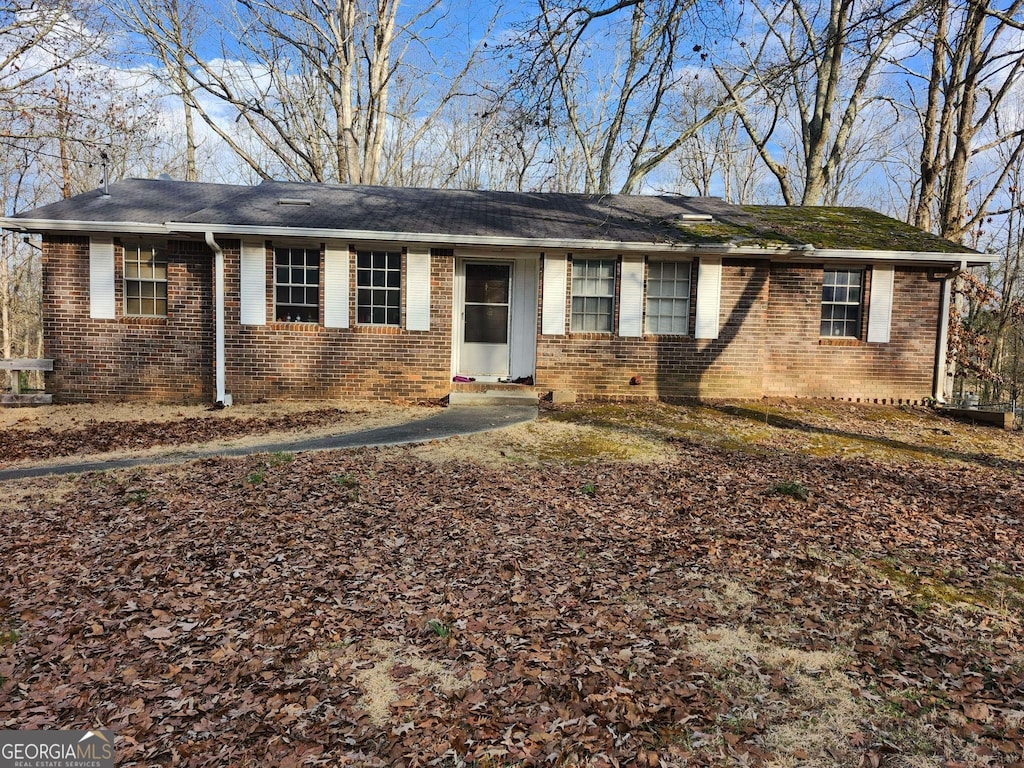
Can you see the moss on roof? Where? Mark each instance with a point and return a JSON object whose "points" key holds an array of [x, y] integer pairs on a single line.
{"points": [[717, 232], [845, 228], [666, 219]]}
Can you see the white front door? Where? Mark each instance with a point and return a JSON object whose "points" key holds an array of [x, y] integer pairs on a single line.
{"points": [[486, 316]]}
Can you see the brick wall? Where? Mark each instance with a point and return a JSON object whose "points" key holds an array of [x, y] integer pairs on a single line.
{"points": [[171, 359], [163, 359], [305, 360], [602, 365], [768, 343], [799, 363]]}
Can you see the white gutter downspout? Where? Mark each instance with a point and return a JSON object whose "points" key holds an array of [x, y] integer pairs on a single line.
{"points": [[942, 370], [223, 399]]}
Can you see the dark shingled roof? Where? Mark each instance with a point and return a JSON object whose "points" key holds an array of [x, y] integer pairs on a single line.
{"points": [[668, 220], [477, 213], [142, 201]]}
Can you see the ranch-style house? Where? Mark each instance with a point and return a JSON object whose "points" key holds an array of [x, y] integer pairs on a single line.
{"points": [[188, 292]]}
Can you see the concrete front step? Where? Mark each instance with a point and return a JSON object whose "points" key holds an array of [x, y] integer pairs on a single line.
{"points": [[495, 397], [25, 399]]}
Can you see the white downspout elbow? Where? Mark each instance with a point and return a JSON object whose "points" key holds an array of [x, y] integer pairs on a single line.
{"points": [[222, 397]]}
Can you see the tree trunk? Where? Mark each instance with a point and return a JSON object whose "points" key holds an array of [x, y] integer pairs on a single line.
{"points": [[928, 166], [952, 207]]}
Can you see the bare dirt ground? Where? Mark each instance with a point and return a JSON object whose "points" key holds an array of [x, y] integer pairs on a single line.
{"points": [[797, 583]]}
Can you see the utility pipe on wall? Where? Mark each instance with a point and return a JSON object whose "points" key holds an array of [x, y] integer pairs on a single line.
{"points": [[942, 352], [218, 300]]}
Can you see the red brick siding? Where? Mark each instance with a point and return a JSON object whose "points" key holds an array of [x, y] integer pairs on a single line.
{"points": [[601, 365], [165, 359], [768, 343], [306, 360], [801, 364]]}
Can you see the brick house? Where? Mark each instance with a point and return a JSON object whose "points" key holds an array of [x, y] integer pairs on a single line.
{"points": [[186, 292]]}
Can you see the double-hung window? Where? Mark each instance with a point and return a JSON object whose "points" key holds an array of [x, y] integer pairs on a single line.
{"points": [[145, 280], [379, 287], [297, 284], [593, 295], [668, 297], [841, 298]]}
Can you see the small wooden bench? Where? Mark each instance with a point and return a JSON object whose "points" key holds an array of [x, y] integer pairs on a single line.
{"points": [[16, 365]]}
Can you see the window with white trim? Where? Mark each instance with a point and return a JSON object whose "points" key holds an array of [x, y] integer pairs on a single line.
{"points": [[145, 280], [841, 299], [379, 287], [297, 284], [668, 297], [593, 295]]}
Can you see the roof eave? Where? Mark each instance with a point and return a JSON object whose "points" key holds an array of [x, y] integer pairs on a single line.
{"points": [[972, 258], [434, 238], [445, 238], [60, 225], [789, 252]]}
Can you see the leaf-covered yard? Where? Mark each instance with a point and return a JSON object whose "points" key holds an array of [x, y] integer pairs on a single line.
{"points": [[767, 584]]}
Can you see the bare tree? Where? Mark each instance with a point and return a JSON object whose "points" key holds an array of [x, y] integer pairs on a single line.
{"points": [[965, 178], [172, 28], [975, 64], [38, 43], [717, 160], [36, 40], [20, 284], [989, 325], [814, 64], [20, 272], [64, 113], [326, 68], [306, 83], [606, 75]]}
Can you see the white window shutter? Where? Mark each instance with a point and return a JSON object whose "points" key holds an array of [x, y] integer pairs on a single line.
{"points": [[709, 298], [101, 278], [417, 290], [880, 310], [553, 309], [252, 294], [336, 259], [631, 297]]}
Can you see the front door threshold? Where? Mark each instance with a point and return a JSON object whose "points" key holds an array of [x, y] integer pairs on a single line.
{"points": [[479, 384]]}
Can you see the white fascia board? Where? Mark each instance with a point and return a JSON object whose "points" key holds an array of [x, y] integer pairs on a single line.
{"points": [[362, 236], [435, 238], [798, 253], [115, 227], [906, 257], [447, 238]]}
